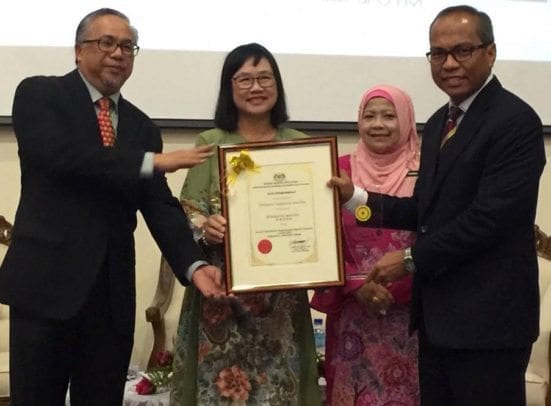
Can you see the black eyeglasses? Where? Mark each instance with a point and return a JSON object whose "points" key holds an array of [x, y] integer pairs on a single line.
{"points": [[460, 53], [246, 82], [108, 44]]}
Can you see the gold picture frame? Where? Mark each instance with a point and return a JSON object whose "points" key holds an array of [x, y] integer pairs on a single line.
{"points": [[283, 222]]}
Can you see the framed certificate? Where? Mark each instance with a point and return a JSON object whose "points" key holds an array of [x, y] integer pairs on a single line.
{"points": [[283, 222]]}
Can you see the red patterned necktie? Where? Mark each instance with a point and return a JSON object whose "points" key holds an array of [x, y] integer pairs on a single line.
{"points": [[451, 124], [105, 124]]}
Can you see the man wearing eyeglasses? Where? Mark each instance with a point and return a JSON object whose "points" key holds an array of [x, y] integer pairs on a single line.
{"points": [[475, 300], [86, 169]]}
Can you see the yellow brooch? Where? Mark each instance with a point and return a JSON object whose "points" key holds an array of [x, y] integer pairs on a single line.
{"points": [[363, 213]]}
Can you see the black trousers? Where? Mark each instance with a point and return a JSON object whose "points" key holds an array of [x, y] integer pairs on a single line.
{"points": [[85, 351], [489, 377]]}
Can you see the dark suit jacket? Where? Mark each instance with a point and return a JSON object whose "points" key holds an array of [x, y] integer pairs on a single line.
{"points": [[474, 207], [78, 204]]}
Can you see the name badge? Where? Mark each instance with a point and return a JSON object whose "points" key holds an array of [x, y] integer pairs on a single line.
{"points": [[362, 213]]}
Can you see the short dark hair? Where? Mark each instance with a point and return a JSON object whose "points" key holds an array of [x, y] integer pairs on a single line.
{"points": [[226, 115], [90, 17], [484, 29]]}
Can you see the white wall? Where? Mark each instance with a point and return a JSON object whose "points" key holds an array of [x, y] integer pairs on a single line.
{"points": [[148, 255]]}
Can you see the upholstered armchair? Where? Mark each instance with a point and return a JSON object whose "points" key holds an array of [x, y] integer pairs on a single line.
{"points": [[537, 373], [5, 238]]}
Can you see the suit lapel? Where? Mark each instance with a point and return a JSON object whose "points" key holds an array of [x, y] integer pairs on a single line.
{"points": [[86, 116], [469, 128], [441, 161], [82, 107], [430, 150], [453, 148], [127, 129], [431, 142]]}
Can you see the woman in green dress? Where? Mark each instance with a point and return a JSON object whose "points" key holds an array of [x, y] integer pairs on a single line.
{"points": [[257, 349]]}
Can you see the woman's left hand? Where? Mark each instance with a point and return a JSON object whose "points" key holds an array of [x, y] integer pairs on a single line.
{"points": [[375, 297], [214, 229]]}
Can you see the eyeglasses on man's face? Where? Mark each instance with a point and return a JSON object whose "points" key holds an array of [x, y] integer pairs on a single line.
{"points": [[460, 53], [246, 82], [108, 44]]}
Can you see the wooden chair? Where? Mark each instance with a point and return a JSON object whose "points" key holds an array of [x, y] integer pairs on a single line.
{"points": [[164, 311], [5, 231], [539, 367], [543, 243], [5, 238]]}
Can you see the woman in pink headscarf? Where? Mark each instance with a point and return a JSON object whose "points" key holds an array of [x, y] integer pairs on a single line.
{"points": [[370, 357]]}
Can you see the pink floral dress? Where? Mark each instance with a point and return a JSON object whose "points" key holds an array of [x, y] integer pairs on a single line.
{"points": [[369, 360]]}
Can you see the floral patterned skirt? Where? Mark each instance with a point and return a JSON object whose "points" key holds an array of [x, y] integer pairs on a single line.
{"points": [[371, 360], [258, 351]]}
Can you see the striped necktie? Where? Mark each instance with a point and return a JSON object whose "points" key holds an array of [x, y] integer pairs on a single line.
{"points": [[451, 124], [104, 121]]}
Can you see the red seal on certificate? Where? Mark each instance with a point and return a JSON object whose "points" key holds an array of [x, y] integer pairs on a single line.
{"points": [[264, 246]]}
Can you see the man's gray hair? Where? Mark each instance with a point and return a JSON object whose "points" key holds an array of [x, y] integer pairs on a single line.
{"points": [[84, 24]]}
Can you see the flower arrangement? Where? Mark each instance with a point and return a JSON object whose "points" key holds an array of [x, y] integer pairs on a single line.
{"points": [[158, 377]]}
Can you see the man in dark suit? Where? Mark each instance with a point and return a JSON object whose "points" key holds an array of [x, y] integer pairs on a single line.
{"points": [[68, 275], [475, 301]]}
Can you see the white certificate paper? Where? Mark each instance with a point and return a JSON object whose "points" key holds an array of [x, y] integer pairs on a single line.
{"points": [[282, 218]]}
